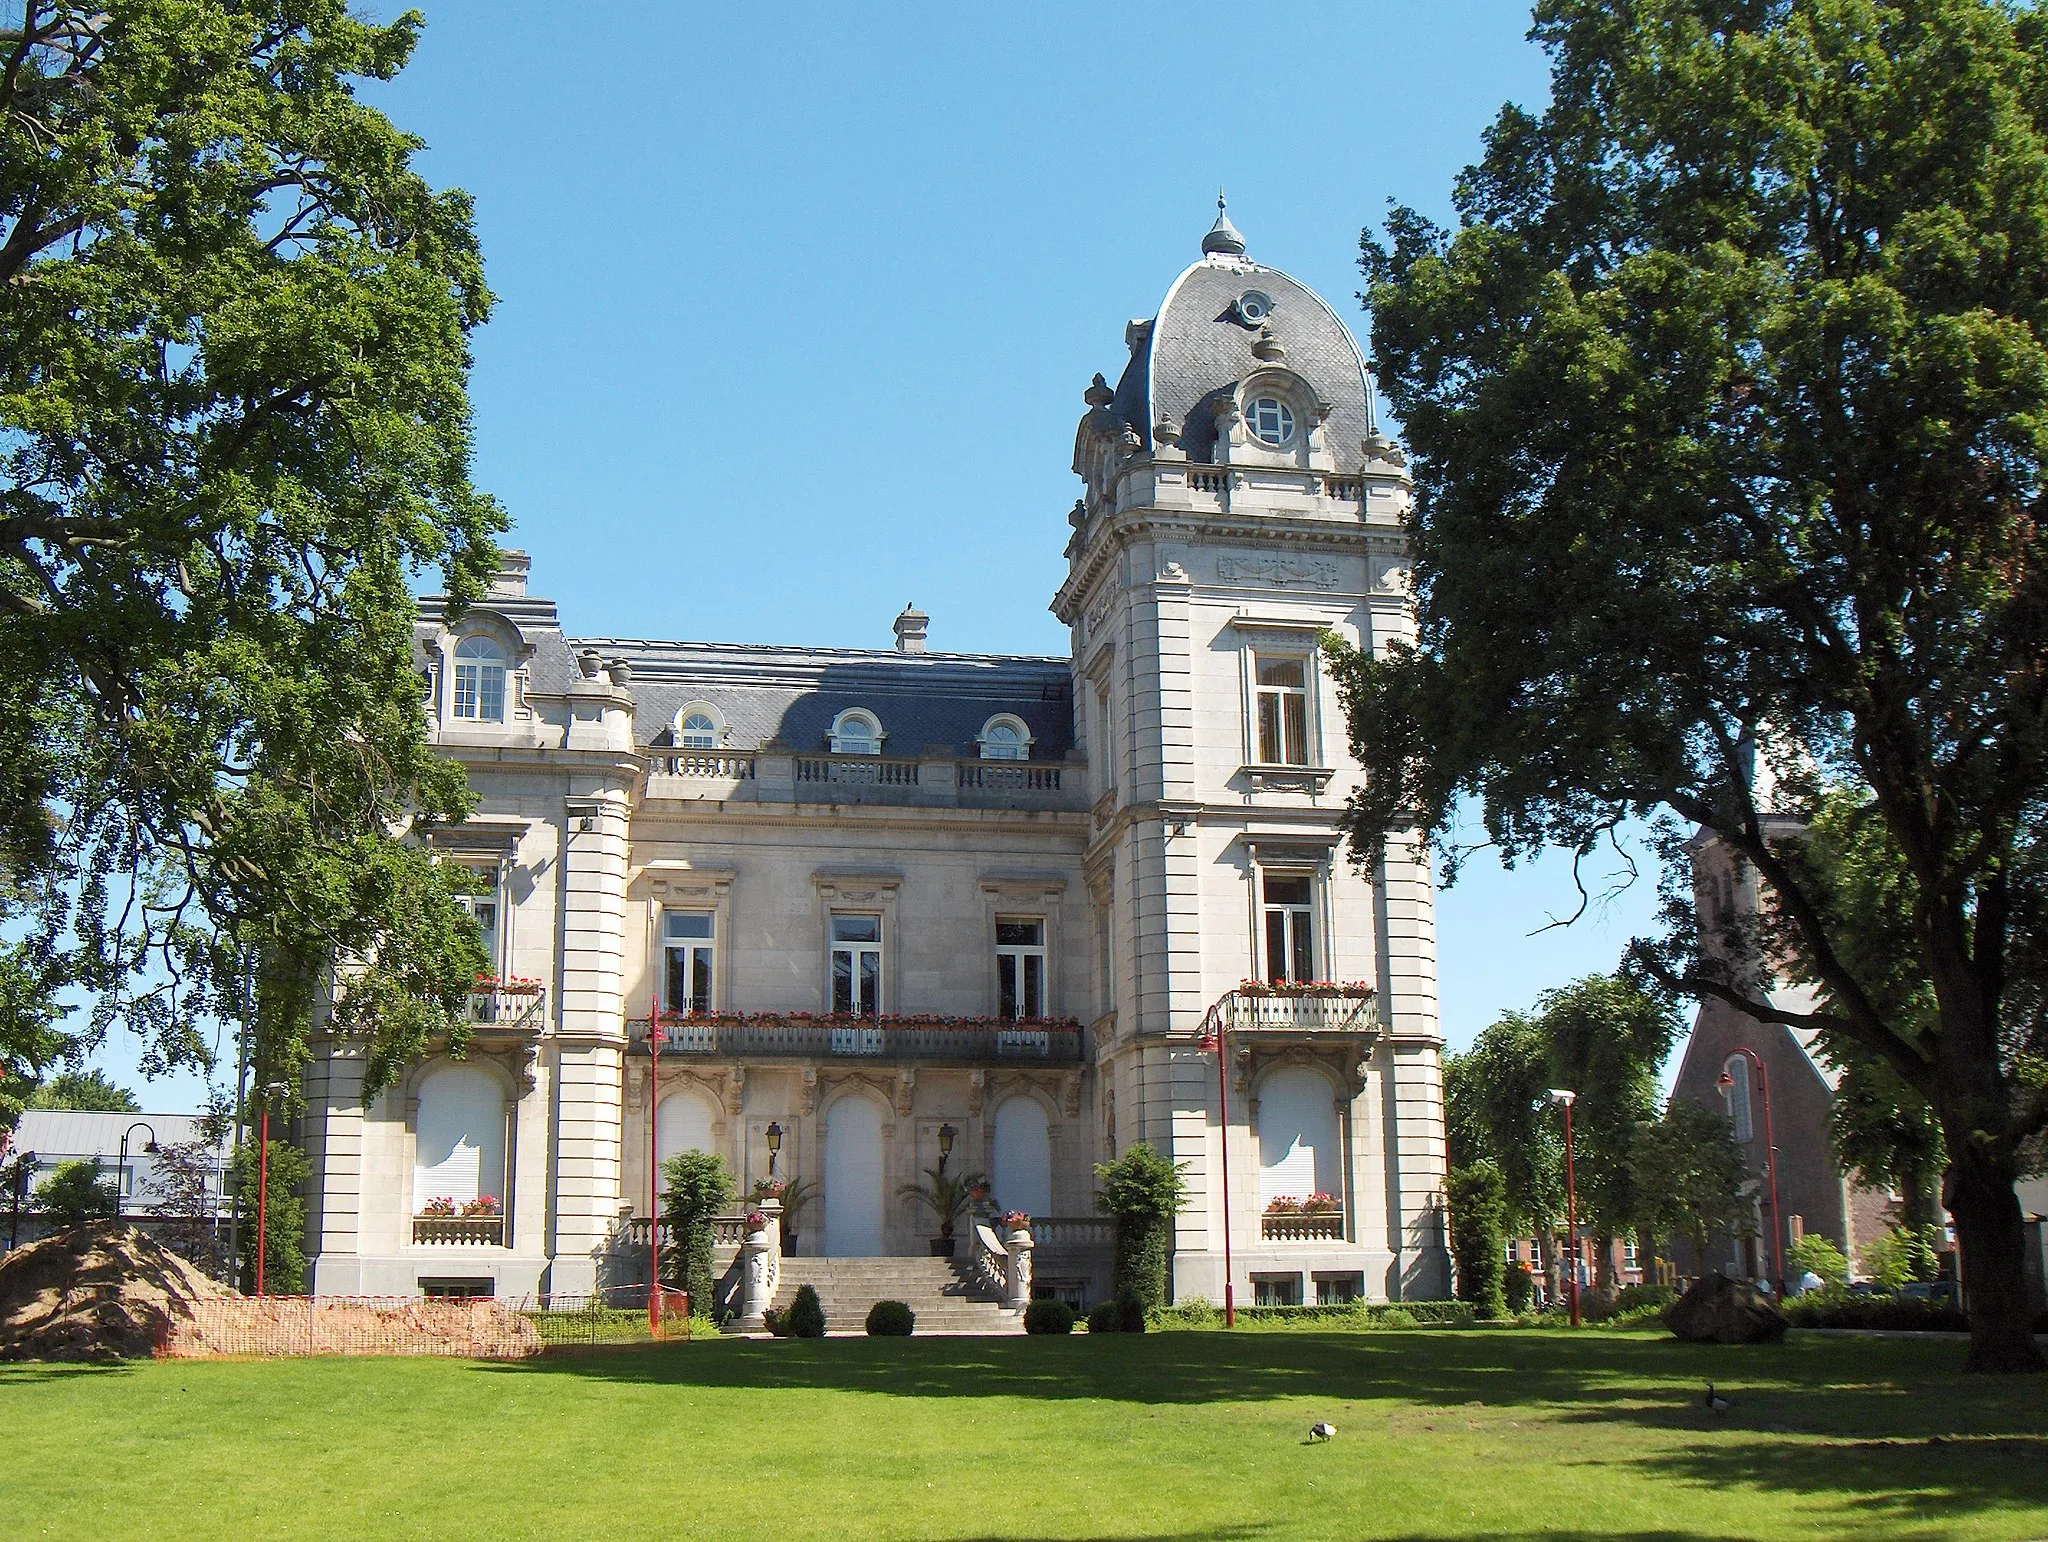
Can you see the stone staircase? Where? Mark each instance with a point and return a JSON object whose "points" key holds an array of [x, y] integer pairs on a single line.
{"points": [[940, 1291]]}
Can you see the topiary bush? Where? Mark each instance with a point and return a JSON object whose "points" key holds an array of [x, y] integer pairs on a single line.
{"points": [[1518, 1285], [1048, 1317], [1102, 1317], [1476, 1198], [888, 1320], [806, 1315], [1130, 1312], [695, 1186], [1144, 1191]]}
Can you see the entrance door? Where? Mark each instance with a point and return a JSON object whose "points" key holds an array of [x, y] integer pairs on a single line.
{"points": [[853, 1179]]}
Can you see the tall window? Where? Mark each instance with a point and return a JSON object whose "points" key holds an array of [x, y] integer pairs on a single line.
{"points": [[483, 910], [1290, 936], [1020, 968], [479, 680], [1736, 1069], [1283, 712], [688, 943], [699, 732], [857, 965]]}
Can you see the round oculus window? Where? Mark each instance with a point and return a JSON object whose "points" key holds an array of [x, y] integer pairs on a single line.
{"points": [[1254, 305], [1270, 420]]}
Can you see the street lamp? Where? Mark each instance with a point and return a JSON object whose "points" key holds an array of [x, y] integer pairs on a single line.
{"points": [[271, 1091], [1564, 1099], [121, 1171], [1763, 1080], [946, 1134], [774, 1133]]}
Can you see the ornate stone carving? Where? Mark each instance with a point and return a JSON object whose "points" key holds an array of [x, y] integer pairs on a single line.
{"points": [[1070, 1094], [977, 1089], [1278, 572], [1390, 575], [906, 1090], [807, 1091], [735, 1089]]}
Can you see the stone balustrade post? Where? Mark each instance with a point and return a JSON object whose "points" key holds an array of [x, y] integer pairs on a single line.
{"points": [[761, 1265], [1017, 1271]]}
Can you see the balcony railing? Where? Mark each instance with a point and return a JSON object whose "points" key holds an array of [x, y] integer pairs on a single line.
{"points": [[508, 1011], [939, 780], [727, 1231], [1006, 776], [887, 1038], [1293, 1226], [705, 763], [855, 771], [458, 1231], [1073, 1231], [1297, 1009]]}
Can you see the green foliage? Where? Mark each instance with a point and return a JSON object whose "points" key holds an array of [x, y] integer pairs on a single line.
{"points": [[1839, 1309], [1144, 1192], [1727, 399], [1102, 1317], [74, 1193], [805, 1318], [1492, 1097], [1632, 1298], [1129, 1309], [89, 1090], [945, 1197], [1689, 1175], [234, 428], [1608, 1039], [1398, 1317], [1351, 1316], [179, 1197], [1814, 1254], [890, 1319], [695, 1186], [1048, 1316], [1476, 1198], [1518, 1288], [284, 1207], [1900, 1256]]}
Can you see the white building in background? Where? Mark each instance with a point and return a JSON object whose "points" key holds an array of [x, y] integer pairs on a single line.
{"points": [[889, 903], [124, 1147]]}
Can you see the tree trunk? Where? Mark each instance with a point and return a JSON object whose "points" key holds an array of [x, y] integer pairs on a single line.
{"points": [[1992, 1241], [1606, 1283]]}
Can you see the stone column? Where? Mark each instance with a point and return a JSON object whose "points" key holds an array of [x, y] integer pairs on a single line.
{"points": [[1017, 1270]]}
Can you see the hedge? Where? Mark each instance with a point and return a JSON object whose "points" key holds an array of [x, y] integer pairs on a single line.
{"points": [[1356, 1314]]}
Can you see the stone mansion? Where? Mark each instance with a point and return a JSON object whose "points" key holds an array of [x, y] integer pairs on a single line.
{"points": [[896, 908]]}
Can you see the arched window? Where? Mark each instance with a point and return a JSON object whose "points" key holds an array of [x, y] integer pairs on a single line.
{"points": [[855, 732], [1298, 1152], [683, 1123], [480, 680], [1735, 1088], [459, 1144], [1005, 738], [1023, 1157], [699, 730]]}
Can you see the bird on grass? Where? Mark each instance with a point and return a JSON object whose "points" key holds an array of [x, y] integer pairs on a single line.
{"points": [[1714, 1400], [1320, 1430]]}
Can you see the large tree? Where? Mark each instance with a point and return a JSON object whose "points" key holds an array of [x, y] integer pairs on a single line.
{"points": [[234, 427], [1728, 404], [1494, 1111]]}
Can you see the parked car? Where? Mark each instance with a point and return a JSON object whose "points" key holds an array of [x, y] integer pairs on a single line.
{"points": [[1939, 1292]]}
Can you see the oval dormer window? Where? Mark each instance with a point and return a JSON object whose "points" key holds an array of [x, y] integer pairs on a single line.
{"points": [[1270, 420]]}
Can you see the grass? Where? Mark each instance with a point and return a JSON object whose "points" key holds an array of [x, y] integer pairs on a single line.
{"points": [[1168, 1437]]}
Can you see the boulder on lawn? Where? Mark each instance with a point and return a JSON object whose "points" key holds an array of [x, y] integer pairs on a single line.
{"points": [[1718, 1310], [104, 1291]]}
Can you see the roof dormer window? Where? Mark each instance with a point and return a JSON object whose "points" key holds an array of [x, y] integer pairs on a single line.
{"points": [[1005, 738], [699, 727], [1270, 420], [479, 680], [856, 732]]}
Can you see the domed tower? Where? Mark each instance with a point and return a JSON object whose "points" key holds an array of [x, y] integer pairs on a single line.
{"points": [[1240, 502]]}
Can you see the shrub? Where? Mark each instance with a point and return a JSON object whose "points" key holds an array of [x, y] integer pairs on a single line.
{"points": [[1838, 1309], [1815, 1253], [1476, 1197], [806, 1315], [1048, 1317], [776, 1321], [1519, 1287], [1130, 1312], [888, 1319], [1144, 1191], [1102, 1317], [1632, 1297], [1396, 1317], [74, 1194], [695, 1187], [1899, 1256]]}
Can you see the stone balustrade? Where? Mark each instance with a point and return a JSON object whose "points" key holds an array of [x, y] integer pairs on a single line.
{"points": [[769, 1036], [778, 775], [1296, 1226], [458, 1231]]}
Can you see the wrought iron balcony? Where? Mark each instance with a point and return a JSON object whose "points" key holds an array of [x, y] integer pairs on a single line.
{"points": [[520, 1008], [1256, 1008], [729, 1036]]}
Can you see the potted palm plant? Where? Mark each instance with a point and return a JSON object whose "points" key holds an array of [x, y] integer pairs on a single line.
{"points": [[947, 1198]]}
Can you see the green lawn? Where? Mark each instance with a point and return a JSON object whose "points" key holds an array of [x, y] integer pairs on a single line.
{"points": [[1170, 1436]]}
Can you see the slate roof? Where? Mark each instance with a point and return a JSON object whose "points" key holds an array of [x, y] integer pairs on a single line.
{"points": [[1197, 348], [793, 694]]}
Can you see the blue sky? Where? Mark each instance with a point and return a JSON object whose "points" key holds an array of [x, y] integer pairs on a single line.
{"points": [[797, 302]]}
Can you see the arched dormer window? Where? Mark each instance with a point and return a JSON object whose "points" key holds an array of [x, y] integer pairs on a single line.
{"points": [[1005, 737], [700, 726], [856, 732], [479, 680]]}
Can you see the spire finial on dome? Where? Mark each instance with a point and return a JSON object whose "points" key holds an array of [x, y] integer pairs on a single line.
{"points": [[1222, 237]]}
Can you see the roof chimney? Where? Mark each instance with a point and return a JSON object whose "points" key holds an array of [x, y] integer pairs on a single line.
{"points": [[510, 578], [910, 630]]}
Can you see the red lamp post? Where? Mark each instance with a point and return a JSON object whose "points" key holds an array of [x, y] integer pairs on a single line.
{"points": [[1763, 1081], [654, 1039], [1212, 1039], [1565, 1100]]}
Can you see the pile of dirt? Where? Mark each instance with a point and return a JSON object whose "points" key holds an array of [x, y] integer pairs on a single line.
{"points": [[104, 1291]]}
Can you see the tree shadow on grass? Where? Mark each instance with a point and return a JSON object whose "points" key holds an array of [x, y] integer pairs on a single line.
{"points": [[29, 1373]]}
